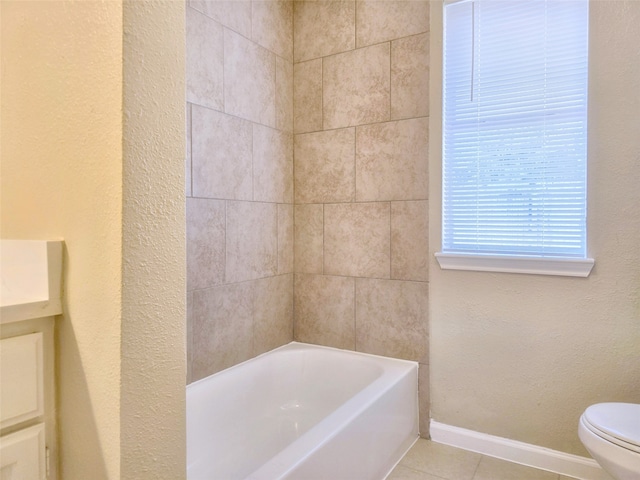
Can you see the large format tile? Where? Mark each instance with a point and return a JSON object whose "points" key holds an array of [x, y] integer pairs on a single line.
{"points": [[324, 310], [356, 87], [233, 14], [272, 26], [496, 469], [204, 59], [222, 328], [285, 238], [391, 318], [410, 77], [252, 241], [409, 240], [272, 165], [323, 28], [273, 313], [383, 20], [356, 239], [392, 160], [405, 473], [221, 155], [441, 460], [324, 166], [249, 80], [205, 243], [284, 95], [307, 96], [308, 243]]}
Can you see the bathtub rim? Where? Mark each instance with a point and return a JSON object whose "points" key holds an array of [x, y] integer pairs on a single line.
{"points": [[313, 346]]}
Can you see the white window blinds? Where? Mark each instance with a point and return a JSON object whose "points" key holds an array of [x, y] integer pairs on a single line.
{"points": [[514, 127]]}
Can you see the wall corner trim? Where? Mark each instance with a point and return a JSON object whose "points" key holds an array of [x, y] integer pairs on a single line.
{"points": [[518, 452]]}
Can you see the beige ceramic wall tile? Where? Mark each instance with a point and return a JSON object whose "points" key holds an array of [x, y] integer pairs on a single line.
{"points": [[324, 308], [252, 241], [189, 337], [308, 242], [272, 165], [392, 160], [205, 243], [204, 58], [322, 28], [356, 87], [409, 240], [324, 166], [221, 155], [273, 313], [272, 26], [357, 239], [410, 77], [284, 95], [233, 14], [222, 328], [307, 96], [285, 239], [391, 318], [249, 80], [187, 162], [383, 20], [424, 404]]}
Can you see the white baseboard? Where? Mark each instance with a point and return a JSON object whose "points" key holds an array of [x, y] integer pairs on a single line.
{"points": [[518, 452]]}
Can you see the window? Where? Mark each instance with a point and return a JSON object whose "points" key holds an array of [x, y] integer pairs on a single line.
{"points": [[515, 136]]}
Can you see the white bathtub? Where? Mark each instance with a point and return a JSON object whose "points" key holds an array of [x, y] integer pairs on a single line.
{"points": [[302, 412]]}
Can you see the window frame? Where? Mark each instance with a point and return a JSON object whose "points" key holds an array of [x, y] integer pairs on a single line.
{"points": [[516, 263]]}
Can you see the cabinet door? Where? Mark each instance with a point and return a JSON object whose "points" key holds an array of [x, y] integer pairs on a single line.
{"points": [[21, 389], [22, 454]]}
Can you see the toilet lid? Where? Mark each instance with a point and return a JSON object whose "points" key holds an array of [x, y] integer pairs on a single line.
{"points": [[618, 420]]}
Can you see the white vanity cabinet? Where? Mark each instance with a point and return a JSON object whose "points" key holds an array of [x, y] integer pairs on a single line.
{"points": [[27, 369]]}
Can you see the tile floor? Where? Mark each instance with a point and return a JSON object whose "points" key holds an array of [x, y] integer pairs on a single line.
{"points": [[433, 461]]}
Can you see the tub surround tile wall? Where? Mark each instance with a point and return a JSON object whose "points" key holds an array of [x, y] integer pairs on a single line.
{"points": [[391, 318], [308, 154], [284, 95], [361, 178], [324, 166], [221, 155], [204, 59], [307, 96], [357, 239], [285, 238], [324, 310], [384, 20], [322, 28], [410, 77], [409, 230], [240, 181], [250, 80], [272, 26], [390, 160]]}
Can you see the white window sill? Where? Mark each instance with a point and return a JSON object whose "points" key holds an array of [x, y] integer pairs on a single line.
{"points": [[568, 267]]}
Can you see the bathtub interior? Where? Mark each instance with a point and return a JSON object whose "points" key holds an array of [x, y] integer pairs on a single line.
{"points": [[263, 405]]}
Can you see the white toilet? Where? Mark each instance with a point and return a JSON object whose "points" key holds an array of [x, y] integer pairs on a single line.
{"points": [[611, 433]]}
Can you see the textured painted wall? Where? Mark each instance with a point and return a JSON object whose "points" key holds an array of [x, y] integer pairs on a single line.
{"points": [[239, 186], [361, 122], [120, 342], [153, 348], [522, 356], [61, 176]]}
